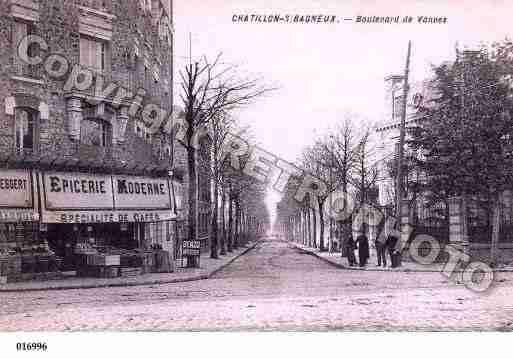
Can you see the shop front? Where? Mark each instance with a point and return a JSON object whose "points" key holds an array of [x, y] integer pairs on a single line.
{"points": [[55, 223], [108, 225], [23, 252]]}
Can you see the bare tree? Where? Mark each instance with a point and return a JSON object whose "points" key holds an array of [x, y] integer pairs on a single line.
{"points": [[208, 89], [316, 160], [340, 150], [220, 126], [365, 170]]}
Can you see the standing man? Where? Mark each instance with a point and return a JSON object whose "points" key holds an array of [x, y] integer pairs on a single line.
{"points": [[349, 247], [381, 250], [390, 245], [362, 244]]}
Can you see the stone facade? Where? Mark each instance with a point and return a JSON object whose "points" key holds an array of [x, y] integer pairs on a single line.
{"points": [[136, 43]]}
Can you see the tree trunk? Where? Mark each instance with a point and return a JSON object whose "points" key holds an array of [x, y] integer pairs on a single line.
{"points": [[305, 234], [223, 223], [242, 229], [494, 248], [309, 226], [230, 224], [299, 228], [314, 224], [321, 225], [464, 213], [346, 223], [215, 234], [192, 200], [302, 226], [237, 224]]}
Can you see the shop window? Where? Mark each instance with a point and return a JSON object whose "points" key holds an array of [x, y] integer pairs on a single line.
{"points": [[159, 232], [25, 130], [93, 54], [142, 131], [169, 231], [7, 233], [19, 235], [95, 132]]}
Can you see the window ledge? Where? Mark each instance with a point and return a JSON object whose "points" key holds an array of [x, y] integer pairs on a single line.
{"points": [[100, 13], [28, 79], [96, 23]]}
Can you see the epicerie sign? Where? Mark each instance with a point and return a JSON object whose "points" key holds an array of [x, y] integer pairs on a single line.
{"points": [[68, 191], [87, 198], [16, 189], [141, 192]]}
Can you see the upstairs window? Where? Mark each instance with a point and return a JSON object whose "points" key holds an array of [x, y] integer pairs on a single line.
{"points": [[142, 131], [25, 130], [93, 54], [21, 30], [138, 129], [95, 132]]}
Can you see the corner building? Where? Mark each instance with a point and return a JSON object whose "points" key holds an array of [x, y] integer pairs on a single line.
{"points": [[83, 181]]}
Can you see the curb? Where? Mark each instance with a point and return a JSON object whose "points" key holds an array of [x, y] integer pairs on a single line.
{"points": [[214, 271], [335, 264], [404, 270], [133, 284]]}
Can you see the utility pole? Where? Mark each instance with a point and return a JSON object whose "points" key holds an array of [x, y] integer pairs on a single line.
{"points": [[400, 158], [190, 48]]}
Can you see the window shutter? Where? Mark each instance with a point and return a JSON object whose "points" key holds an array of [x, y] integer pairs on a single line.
{"points": [[91, 54], [20, 31], [84, 52], [98, 50]]}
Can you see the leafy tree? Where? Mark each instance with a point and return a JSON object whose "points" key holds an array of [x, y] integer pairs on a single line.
{"points": [[465, 137]]}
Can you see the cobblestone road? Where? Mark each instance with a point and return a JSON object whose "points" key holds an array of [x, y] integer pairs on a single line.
{"points": [[274, 286]]}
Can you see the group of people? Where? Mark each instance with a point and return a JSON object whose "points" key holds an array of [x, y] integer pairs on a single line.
{"points": [[362, 245]]}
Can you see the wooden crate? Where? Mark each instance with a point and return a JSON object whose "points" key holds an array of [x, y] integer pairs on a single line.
{"points": [[148, 262], [98, 271], [110, 271], [10, 265], [4, 265], [103, 260], [130, 272]]}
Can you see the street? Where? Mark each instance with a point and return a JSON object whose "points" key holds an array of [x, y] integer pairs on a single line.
{"points": [[272, 287]]}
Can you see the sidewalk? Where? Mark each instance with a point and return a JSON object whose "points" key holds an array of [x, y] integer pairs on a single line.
{"points": [[208, 267], [336, 260]]}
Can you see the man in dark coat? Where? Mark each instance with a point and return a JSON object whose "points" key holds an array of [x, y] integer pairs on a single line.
{"points": [[390, 244], [362, 244], [381, 252], [349, 247]]}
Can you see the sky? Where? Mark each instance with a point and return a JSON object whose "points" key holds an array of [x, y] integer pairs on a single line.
{"points": [[323, 71]]}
